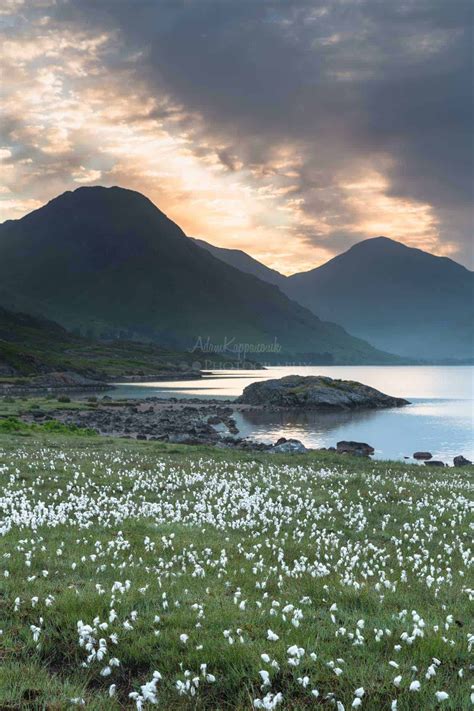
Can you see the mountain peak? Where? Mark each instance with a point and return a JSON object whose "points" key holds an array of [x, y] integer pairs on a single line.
{"points": [[100, 194], [402, 299], [115, 206], [378, 244]]}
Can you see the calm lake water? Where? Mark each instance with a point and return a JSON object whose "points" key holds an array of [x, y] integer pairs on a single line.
{"points": [[440, 418]]}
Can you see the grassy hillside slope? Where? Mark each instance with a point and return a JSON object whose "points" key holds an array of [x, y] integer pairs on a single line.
{"points": [[31, 346]]}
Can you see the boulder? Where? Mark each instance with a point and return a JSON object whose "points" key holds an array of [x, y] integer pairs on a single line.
{"points": [[231, 425], [357, 449], [434, 463], [288, 446], [316, 392], [185, 438], [461, 461], [422, 455], [214, 420], [38, 414]]}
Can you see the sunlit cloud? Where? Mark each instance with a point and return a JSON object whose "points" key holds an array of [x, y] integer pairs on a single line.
{"points": [[83, 175]]}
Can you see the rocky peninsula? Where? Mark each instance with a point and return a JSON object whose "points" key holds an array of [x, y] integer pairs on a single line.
{"points": [[198, 421]]}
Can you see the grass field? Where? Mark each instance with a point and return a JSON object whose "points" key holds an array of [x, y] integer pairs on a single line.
{"points": [[140, 575]]}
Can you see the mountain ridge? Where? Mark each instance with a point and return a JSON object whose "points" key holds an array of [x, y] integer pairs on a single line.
{"points": [[241, 260], [400, 298], [107, 261]]}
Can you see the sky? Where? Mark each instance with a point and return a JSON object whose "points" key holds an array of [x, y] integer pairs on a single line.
{"points": [[291, 129]]}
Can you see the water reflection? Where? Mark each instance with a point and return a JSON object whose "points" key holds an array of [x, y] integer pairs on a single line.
{"points": [[394, 433], [440, 418]]}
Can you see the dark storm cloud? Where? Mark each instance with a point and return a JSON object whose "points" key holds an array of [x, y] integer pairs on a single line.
{"points": [[347, 82]]}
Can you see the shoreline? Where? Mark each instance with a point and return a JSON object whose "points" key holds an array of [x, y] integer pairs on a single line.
{"points": [[180, 421]]}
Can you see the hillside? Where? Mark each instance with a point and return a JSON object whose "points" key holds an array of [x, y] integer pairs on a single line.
{"points": [[401, 299], [107, 262], [32, 346]]}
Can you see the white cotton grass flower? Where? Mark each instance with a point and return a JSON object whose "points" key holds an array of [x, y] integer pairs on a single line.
{"points": [[295, 651], [273, 529], [269, 702]]}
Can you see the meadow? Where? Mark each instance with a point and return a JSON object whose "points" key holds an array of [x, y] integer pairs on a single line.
{"points": [[141, 575]]}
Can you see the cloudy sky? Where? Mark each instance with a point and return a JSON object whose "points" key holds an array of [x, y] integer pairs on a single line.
{"points": [[288, 128]]}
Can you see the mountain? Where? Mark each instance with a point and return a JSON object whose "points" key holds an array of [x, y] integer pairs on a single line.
{"points": [[400, 299], [243, 261], [107, 262]]}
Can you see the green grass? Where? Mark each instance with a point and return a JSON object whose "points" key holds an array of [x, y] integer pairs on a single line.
{"points": [[12, 425], [196, 531]]}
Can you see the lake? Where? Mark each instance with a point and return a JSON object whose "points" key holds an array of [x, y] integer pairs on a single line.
{"points": [[440, 418]]}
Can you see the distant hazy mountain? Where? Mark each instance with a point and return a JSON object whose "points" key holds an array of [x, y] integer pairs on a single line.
{"points": [[400, 299], [243, 261], [108, 262]]}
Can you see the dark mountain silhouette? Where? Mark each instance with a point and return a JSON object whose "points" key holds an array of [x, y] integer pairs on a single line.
{"points": [[243, 261], [107, 262], [401, 299]]}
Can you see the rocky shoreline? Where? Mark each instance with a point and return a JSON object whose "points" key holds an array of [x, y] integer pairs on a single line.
{"points": [[191, 422], [209, 422], [194, 421]]}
